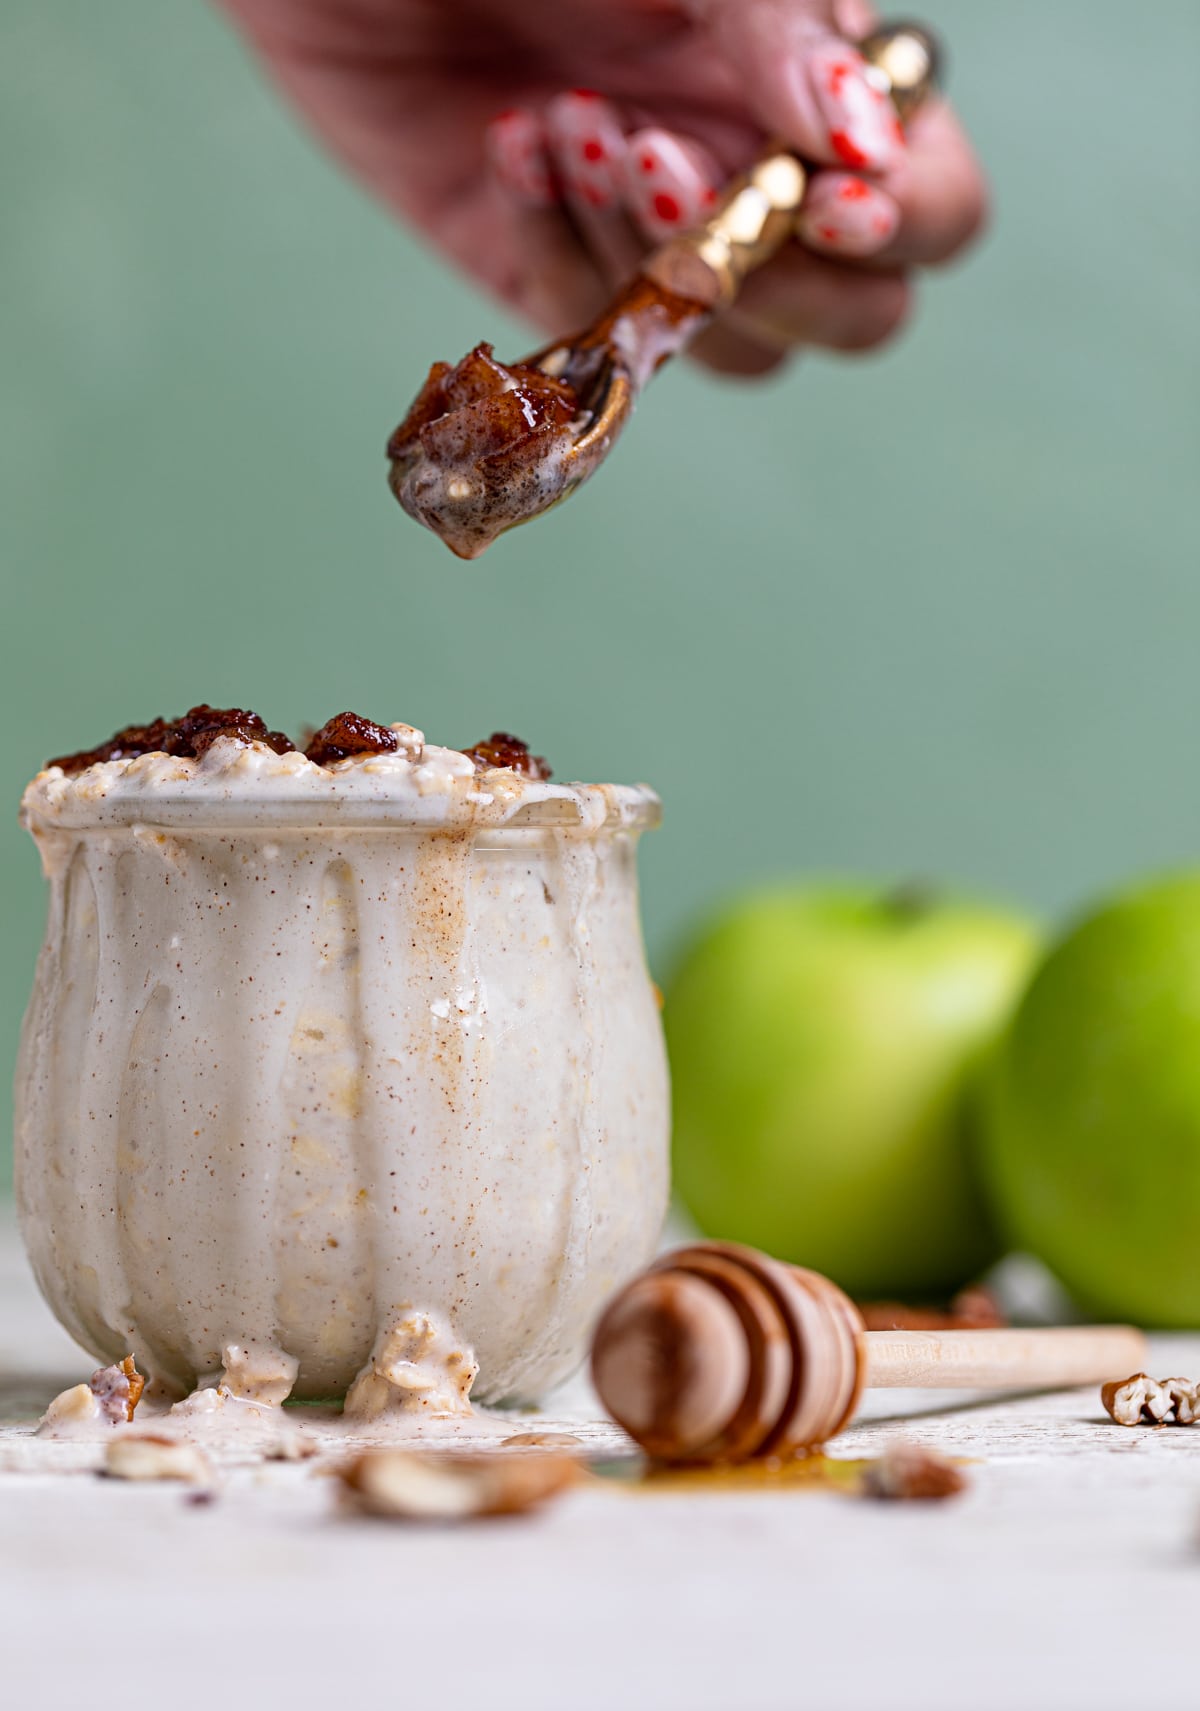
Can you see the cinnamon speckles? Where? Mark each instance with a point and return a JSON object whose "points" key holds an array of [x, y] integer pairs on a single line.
{"points": [[347, 735], [503, 749]]}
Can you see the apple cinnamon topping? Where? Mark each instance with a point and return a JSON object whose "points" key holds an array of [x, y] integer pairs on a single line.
{"points": [[349, 734], [346, 736], [469, 458], [189, 737], [501, 749]]}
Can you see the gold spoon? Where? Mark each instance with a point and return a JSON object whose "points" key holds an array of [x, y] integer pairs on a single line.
{"points": [[486, 446]]}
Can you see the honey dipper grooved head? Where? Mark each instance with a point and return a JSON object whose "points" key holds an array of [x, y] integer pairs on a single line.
{"points": [[671, 1362], [719, 1353]]}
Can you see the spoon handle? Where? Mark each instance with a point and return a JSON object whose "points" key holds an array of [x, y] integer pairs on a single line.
{"points": [[755, 214]]}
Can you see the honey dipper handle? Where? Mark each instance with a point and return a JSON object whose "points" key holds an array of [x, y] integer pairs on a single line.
{"points": [[1002, 1359]]}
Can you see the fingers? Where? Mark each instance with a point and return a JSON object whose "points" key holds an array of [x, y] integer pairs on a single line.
{"points": [[588, 142], [587, 201], [725, 350], [540, 264], [670, 182], [923, 212], [939, 188], [618, 194], [806, 299], [515, 146], [854, 18], [543, 270], [588, 147], [804, 82], [862, 129], [846, 216]]}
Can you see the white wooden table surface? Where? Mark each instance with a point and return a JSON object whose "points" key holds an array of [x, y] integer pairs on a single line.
{"points": [[1068, 1576]]}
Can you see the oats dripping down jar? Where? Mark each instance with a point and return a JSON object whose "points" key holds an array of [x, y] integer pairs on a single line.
{"points": [[339, 1078]]}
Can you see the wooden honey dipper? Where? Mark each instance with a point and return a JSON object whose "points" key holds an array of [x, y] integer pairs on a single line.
{"points": [[717, 1353]]}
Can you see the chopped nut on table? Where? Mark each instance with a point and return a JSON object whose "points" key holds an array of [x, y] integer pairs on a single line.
{"points": [[542, 1441], [151, 1457], [408, 1486], [1144, 1401], [109, 1398], [70, 1409], [972, 1309], [909, 1472], [118, 1389]]}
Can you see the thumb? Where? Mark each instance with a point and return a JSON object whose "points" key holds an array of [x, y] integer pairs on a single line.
{"points": [[803, 81]]}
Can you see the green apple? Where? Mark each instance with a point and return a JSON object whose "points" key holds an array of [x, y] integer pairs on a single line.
{"points": [[821, 1040], [1091, 1132]]}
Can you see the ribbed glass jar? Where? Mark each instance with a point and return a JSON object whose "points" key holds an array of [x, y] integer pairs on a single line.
{"points": [[291, 1071]]}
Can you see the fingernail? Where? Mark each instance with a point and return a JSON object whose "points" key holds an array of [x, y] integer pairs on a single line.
{"points": [[669, 183], [862, 124], [589, 145], [516, 148], [843, 215]]}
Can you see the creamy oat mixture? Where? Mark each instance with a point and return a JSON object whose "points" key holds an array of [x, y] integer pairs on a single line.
{"points": [[339, 1078]]}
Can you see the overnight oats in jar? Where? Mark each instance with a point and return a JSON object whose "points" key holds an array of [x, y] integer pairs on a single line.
{"points": [[343, 1073]]}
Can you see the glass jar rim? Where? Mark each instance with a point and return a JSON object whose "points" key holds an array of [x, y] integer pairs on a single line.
{"points": [[578, 809]]}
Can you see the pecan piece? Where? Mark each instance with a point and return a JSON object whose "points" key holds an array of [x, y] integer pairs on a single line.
{"points": [[118, 1390], [1144, 1401], [407, 1486], [908, 1472], [155, 1457]]}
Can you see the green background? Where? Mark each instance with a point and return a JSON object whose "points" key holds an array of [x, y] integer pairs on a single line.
{"points": [[928, 613]]}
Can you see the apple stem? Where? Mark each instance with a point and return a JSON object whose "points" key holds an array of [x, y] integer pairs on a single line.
{"points": [[911, 898]]}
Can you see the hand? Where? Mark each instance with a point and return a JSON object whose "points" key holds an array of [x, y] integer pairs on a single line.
{"points": [[467, 116]]}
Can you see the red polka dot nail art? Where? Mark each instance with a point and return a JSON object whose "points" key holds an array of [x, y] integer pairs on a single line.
{"points": [[588, 145], [670, 182], [863, 131], [515, 143], [846, 216]]}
